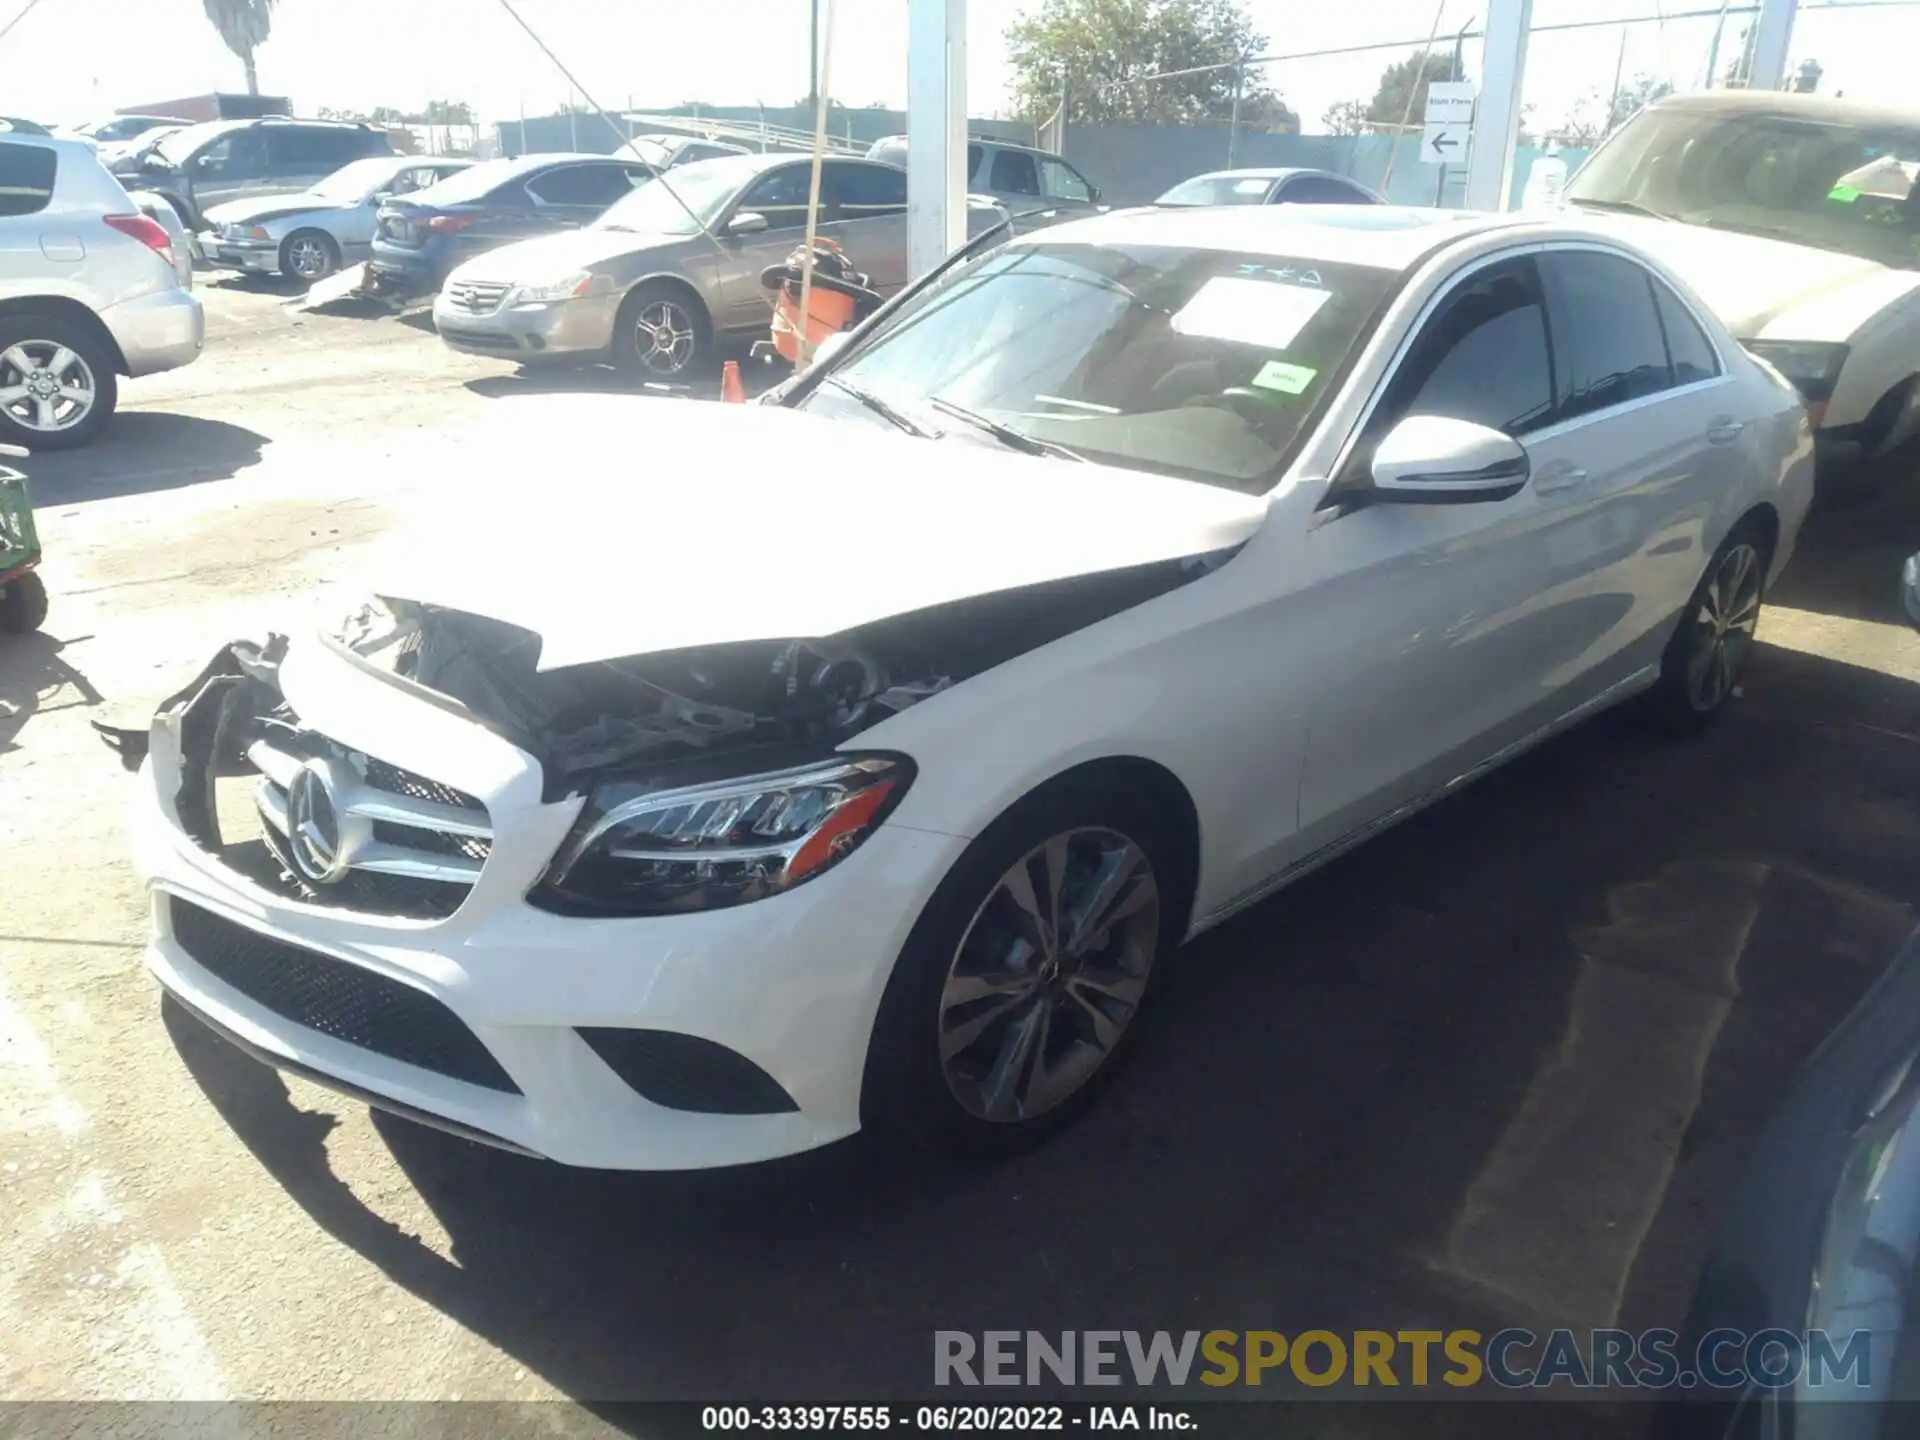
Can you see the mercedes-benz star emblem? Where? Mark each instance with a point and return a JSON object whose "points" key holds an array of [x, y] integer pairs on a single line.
{"points": [[313, 827]]}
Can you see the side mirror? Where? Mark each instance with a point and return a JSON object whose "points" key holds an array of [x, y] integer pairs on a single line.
{"points": [[1093, 193], [1434, 460], [1910, 589], [152, 161], [747, 222]]}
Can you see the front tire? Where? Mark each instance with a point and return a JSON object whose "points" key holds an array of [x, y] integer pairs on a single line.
{"points": [[23, 605], [1701, 667], [57, 383], [309, 255], [1022, 987], [661, 333]]}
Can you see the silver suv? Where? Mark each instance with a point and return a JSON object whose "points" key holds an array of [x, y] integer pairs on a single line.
{"points": [[88, 292], [1037, 187]]}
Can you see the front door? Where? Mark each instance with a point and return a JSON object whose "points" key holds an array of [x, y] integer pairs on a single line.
{"points": [[234, 167], [1454, 623], [780, 196]]}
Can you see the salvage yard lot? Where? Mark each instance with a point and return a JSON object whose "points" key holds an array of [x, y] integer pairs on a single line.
{"points": [[1496, 1068]]}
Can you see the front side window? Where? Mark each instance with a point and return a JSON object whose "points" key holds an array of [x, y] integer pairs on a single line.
{"points": [[1060, 181], [1606, 330], [241, 154], [1482, 356], [1806, 180], [781, 195], [1204, 364]]}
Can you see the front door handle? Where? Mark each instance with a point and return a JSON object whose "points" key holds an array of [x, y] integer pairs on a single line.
{"points": [[1724, 432], [1563, 476]]}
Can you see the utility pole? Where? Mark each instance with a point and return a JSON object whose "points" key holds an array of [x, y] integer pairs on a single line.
{"points": [[813, 62], [1233, 130]]}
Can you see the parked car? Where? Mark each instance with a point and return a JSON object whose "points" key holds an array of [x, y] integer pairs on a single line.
{"points": [[310, 235], [962, 685], [14, 125], [158, 209], [88, 292], [420, 239], [1797, 219], [663, 152], [1280, 186], [116, 155], [222, 160], [1036, 186], [675, 265], [118, 128]]}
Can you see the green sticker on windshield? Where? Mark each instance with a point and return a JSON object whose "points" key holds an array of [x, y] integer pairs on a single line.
{"points": [[1845, 194], [1287, 379]]}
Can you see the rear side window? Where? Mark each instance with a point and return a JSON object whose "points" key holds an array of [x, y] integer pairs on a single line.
{"points": [[1483, 356], [974, 154], [592, 185], [1687, 344], [863, 192], [1014, 173], [1607, 336], [27, 173], [295, 148]]}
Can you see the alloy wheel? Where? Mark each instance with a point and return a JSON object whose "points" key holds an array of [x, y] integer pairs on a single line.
{"points": [[664, 338], [308, 258], [1049, 974], [1723, 627], [45, 386]]}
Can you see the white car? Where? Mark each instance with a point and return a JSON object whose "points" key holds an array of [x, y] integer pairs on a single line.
{"points": [[1796, 218], [871, 774]]}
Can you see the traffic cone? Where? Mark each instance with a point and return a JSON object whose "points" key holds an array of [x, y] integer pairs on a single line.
{"points": [[732, 391]]}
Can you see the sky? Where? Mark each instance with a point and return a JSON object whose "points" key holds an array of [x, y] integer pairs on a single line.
{"points": [[68, 60]]}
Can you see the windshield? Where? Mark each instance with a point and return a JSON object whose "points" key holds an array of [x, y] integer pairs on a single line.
{"points": [[351, 184], [660, 206], [177, 148], [1788, 177], [1219, 190], [1203, 364]]}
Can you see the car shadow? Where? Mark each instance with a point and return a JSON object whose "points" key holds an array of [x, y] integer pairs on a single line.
{"points": [[702, 382], [1848, 561], [36, 679], [1341, 1087], [143, 451]]}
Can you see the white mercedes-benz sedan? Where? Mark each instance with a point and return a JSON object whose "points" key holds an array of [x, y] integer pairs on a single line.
{"points": [[860, 759]]}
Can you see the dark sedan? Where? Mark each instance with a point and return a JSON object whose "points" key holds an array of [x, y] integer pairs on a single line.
{"points": [[420, 239], [1270, 187]]}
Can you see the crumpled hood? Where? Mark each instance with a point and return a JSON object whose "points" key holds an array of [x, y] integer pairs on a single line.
{"points": [[1771, 289], [265, 207], [616, 526], [552, 257]]}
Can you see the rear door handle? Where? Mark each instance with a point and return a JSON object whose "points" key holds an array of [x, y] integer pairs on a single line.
{"points": [[1563, 476], [1724, 432]]}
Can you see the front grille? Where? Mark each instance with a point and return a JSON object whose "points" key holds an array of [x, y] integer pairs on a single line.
{"points": [[482, 297], [394, 780], [335, 998], [433, 842]]}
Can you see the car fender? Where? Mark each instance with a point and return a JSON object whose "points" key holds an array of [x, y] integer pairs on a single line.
{"points": [[1877, 318]]}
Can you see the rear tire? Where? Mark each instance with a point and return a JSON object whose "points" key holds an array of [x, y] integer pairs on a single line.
{"points": [[1701, 667], [57, 383], [661, 333], [996, 1031], [23, 605]]}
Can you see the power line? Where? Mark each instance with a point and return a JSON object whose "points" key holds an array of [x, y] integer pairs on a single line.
{"points": [[25, 11]]}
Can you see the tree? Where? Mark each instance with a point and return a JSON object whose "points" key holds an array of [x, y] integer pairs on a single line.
{"points": [[1105, 57], [1406, 80], [1345, 117], [244, 26], [1639, 93], [448, 112]]}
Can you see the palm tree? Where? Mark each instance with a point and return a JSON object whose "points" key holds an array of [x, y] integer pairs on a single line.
{"points": [[243, 25]]}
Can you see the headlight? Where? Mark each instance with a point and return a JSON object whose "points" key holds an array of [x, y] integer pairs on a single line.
{"points": [[567, 289], [1810, 366], [704, 847]]}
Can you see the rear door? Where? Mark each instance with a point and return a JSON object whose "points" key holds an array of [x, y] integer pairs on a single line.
{"points": [[871, 203], [1650, 440]]}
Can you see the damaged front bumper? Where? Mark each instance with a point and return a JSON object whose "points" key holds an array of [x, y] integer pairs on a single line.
{"points": [[649, 1043]]}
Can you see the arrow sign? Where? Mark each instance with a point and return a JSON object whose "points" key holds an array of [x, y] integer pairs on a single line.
{"points": [[1444, 144]]}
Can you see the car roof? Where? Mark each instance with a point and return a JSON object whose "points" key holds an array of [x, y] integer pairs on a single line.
{"points": [[1785, 103], [1384, 237]]}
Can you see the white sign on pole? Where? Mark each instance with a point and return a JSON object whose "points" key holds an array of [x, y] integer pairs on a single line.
{"points": [[1449, 122]]}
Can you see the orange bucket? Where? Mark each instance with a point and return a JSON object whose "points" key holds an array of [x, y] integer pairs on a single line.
{"points": [[828, 313]]}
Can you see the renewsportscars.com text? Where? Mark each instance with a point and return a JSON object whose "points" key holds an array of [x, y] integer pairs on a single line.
{"points": [[1511, 1359]]}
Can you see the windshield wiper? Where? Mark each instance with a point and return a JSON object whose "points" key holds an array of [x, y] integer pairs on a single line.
{"points": [[1005, 434], [891, 414], [1625, 207]]}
